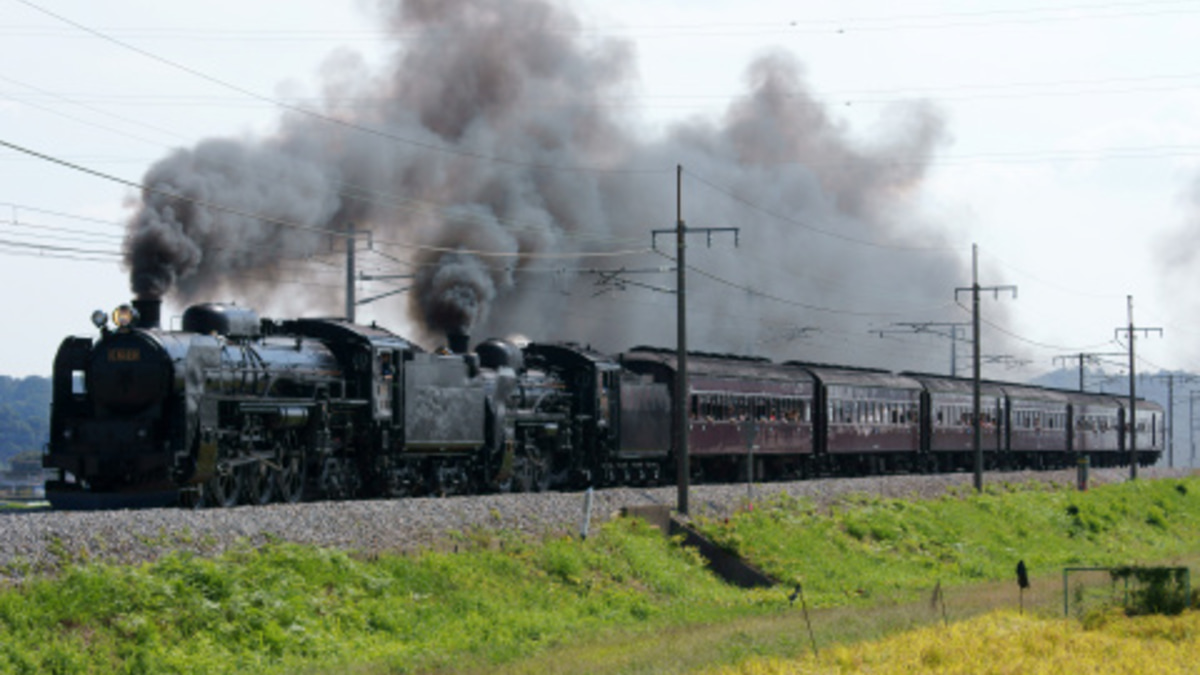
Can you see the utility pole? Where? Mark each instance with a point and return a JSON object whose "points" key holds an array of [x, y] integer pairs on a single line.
{"points": [[350, 244], [1192, 426], [682, 458], [1131, 331], [1170, 433], [1085, 357], [931, 328], [352, 300], [1170, 422], [977, 440], [682, 389]]}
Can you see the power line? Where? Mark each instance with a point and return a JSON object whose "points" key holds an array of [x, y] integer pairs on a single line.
{"points": [[308, 228], [347, 191], [959, 92], [47, 248], [335, 121], [18, 226], [803, 305], [729, 192], [1035, 343], [1099, 10]]}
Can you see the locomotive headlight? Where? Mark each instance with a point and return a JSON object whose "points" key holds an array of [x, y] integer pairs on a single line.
{"points": [[123, 316], [99, 318]]}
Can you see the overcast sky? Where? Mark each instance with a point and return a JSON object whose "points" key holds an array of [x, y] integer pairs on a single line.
{"points": [[1069, 151]]}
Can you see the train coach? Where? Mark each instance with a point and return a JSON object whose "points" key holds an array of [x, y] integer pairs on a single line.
{"points": [[747, 417], [753, 419]]}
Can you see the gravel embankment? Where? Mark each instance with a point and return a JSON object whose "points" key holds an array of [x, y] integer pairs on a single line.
{"points": [[40, 541]]}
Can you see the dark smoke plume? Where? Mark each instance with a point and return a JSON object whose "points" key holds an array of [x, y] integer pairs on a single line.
{"points": [[496, 134]]}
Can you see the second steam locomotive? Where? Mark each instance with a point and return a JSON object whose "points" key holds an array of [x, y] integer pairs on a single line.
{"points": [[234, 409]]}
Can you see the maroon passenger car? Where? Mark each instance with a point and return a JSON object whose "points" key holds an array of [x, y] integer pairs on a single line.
{"points": [[869, 420], [742, 412], [947, 424]]}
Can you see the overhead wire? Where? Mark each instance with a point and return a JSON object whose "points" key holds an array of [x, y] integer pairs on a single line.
{"points": [[943, 92], [726, 282], [48, 248], [83, 236], [749, 204], [733, 195], [309, 228], [838, 25], [336, 121], [1039, 279], [346, 190]]}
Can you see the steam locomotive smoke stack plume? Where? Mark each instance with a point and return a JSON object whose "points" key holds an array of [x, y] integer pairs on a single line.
{"points": [[226, 212], [488, 151], [455, 293]]}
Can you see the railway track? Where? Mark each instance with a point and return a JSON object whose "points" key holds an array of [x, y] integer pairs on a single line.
{"points": [[39, 541]]}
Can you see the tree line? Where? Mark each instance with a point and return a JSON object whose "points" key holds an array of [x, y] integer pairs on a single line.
{"points": [[24, 416]]}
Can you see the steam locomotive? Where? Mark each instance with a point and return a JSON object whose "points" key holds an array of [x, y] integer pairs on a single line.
{"points": [[236, 409]]}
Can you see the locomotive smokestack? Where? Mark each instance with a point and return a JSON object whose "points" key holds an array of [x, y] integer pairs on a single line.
{"points": [[458, 341], [149, 312]]}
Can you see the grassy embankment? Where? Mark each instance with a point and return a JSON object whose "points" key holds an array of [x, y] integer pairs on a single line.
{"points": [[623, 601]]}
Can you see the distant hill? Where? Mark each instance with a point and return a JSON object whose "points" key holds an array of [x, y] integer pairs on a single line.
{"points": [[24, 415]]}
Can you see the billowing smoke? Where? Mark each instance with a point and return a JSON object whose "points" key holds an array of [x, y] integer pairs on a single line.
{"points": [[1177, 252], [246, 212], [455, 294], [1177, 257], [489, 152]]}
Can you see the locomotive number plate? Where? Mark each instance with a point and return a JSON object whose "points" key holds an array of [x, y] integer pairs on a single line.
{"points": [[124, 355]]}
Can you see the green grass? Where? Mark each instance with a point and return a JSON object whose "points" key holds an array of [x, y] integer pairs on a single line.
{"points": [[284, 607], [870, 549], [22, 505], [624, 601]]}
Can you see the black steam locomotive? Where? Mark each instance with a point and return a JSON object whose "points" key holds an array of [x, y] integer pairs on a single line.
{"points": [[234, 409]]}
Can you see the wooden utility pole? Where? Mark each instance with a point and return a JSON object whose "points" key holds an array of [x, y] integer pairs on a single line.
{"points": [[1192, 394], [1171, 378], [1131, 418], [977, 438], [350, 244], [682, 389], [682, 454]]}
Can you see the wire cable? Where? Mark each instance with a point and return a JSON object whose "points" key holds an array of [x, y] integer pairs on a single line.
{"points": [[308, 228], [308, 112], [729, 192]]}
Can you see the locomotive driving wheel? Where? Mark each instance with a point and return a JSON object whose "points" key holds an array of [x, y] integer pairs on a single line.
{"points": [[258, 482], [223, 489], [289, 478]]}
